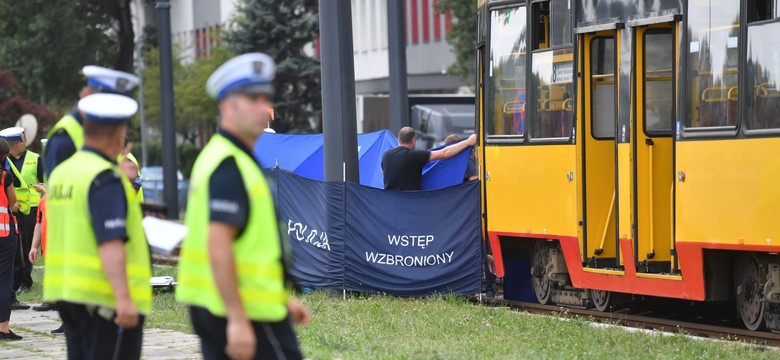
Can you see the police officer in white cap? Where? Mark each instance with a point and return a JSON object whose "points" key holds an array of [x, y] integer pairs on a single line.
{"points": [[98, 267], [28, 179], [66, 135], [231, 269]]}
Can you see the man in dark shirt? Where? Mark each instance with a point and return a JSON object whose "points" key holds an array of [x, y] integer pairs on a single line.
{"points": [[402, 166]]}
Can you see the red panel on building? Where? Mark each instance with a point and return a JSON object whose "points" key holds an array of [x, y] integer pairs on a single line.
{"points": [[197, 44], [426, 26], [415, 26], [436, 24]]}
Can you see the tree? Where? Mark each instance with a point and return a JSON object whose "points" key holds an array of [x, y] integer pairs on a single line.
{"points": [[195, 112], [46, 43], [115, 17], [13, 105], [282, 29], [463, 35]]}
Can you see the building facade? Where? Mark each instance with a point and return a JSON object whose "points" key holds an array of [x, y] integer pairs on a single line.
{"points": [[196, 27]]}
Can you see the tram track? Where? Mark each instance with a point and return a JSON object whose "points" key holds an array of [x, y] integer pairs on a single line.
{"points": [[644, 322]]}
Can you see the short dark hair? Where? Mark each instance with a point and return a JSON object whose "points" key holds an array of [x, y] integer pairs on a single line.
{"points": [[4, 148], [406, 135], [98, 129]]}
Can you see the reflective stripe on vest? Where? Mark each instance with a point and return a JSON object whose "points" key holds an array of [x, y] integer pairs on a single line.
{"points": [[257, 251], [5, 215], [74, 270], [22, 192], [30, 176]]}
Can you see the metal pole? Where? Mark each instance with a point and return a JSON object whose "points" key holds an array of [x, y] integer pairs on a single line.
{"points": [[399, 100], [170, 188], [339, 122], [139, 45]]}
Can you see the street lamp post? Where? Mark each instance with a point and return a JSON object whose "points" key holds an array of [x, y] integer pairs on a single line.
{"points": [[170, 182]]}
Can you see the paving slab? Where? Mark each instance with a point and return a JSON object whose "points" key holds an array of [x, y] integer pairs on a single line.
{"points": [[39, 343]]}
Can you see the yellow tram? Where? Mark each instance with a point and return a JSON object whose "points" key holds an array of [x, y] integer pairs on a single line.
{"points": [[633, 147]]}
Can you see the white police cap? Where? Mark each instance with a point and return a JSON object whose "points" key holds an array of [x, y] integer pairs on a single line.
{"points": [[12, 133], [249, 73], [111, 81], [108, 108]]}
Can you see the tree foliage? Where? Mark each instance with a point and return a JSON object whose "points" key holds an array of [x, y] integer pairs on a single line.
{"points": [[282, 29], [13, 104], [46, 43], [463, 35], [194, 110]]}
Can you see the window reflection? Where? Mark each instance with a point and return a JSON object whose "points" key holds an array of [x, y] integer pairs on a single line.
{"points": [[763, 73], [552, 74], [713, 27], [658, 84], [602, 90], [506, 77]]}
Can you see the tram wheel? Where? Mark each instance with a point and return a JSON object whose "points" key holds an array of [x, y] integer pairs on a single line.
{"points": [[748, 285], [542, 284], [604, 300], [601, 299]]}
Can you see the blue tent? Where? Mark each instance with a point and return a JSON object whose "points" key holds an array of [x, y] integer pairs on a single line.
{"points": [[303, 155]]}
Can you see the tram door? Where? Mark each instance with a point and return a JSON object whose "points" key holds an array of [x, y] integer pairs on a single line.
{"points": [[654, 109], [599, 148]]}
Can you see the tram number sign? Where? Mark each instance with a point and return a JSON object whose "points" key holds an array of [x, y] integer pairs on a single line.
{"points": [[563, 72]]}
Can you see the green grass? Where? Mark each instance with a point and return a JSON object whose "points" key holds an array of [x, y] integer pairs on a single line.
{"points": [[368, 327], [444, 328]]}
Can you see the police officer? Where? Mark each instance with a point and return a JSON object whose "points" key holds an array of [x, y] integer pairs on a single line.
{"points": [[98, 268], [231, 269], [66, 135], [28, 179]]}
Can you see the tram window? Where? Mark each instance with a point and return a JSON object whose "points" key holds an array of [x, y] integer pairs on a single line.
{"points": [[552, 74], [541, 23], [763, 77], [658, 82], [602, 90], [712, 58], [506, 73], [552, 24], [560, 29], [759, 10]]}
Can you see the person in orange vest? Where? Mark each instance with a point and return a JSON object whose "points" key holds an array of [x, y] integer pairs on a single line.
{"points": [[8, 243], [39, 241]]}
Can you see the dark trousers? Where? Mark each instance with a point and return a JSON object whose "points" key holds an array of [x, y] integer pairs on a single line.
{"points": [[22, 266], [490, 278], [89, 336], [274, 340], [8, 250]]}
